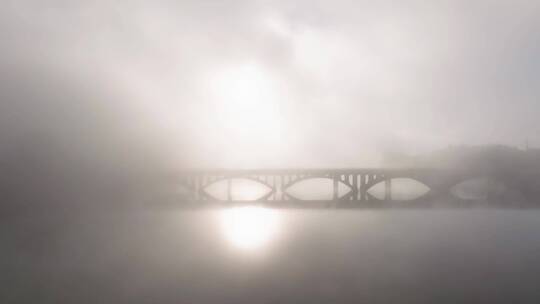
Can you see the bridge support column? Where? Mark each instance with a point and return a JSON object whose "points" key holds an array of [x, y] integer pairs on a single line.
{"points": [[388, 189], [355, 187], [335, 187], [198, 188], [229, 192], [362, 184]]}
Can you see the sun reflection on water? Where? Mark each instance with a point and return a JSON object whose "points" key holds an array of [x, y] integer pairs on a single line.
{"points": [[249, 227]]}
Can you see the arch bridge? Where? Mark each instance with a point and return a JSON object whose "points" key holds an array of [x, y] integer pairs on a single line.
{"points": [[358, 182]]}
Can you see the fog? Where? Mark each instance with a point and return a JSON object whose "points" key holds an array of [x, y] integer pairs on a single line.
{"points": [[102, 102], [335, 84], [124, 90], [317, 257]]}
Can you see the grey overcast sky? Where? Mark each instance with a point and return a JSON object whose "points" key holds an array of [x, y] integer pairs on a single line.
{"points": [[268, 83]]}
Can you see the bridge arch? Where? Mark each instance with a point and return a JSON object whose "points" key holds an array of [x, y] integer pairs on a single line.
{"points": [[318, 188], [398, 189], [478, 188], [235, 188]]}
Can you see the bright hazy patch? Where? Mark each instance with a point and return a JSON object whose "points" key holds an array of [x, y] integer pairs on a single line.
{"points": [[249, 227]]}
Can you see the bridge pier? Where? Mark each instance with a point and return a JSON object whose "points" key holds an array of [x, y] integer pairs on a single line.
{"points": [[335, 188], [388, 189]]}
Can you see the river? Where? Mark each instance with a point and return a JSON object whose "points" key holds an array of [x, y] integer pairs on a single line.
{"points": [[257, 255]]}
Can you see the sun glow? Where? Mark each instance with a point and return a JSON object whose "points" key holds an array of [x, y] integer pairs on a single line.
{"points": [[249, 227], [246, 99]]}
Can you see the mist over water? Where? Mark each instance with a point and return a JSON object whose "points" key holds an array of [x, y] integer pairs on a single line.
{"points": [[315, 256], [102, 98]]}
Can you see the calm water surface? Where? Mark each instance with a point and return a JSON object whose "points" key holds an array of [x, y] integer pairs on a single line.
{"points": [[253, 255]]}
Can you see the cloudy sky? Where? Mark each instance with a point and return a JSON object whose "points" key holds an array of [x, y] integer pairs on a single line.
{"points": [[268, 83]]}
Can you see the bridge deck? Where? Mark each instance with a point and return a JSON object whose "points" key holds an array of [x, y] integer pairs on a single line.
{"points": [[358, 181]]}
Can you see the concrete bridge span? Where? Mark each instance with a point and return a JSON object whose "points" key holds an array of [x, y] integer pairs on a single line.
{"points": [[358, 182]]}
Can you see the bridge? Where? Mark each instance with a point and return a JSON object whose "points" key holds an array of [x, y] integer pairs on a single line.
{"points": [[357, 181]]}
